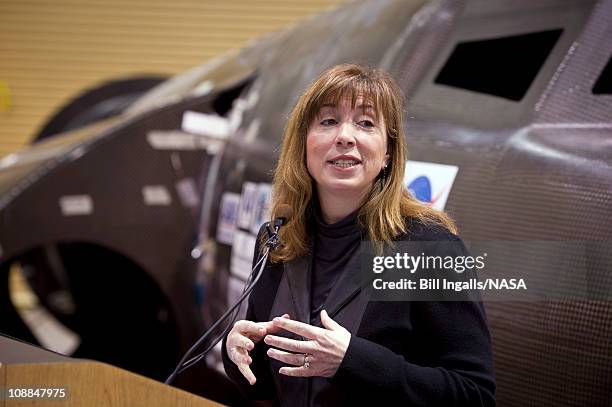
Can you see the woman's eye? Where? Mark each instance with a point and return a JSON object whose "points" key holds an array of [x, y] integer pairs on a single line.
{"points": [[328, 122], [366, 123]]}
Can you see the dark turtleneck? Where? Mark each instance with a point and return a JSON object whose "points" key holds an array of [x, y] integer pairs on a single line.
{"points": [[334, 245]]}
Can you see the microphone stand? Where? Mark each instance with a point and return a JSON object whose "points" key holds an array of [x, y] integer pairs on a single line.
{"points": [[271, 244]]}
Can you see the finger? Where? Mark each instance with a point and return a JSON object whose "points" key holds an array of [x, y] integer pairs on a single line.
{"points": [[295, 371], [270, 327], [290, 344], [242, 342], [240, 351], [240, 355], [248, 327], [295, 359], [328, 322], [247, 373], [256, 336], [297, 327]]}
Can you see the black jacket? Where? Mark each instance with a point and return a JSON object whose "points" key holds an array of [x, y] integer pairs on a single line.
{"points": [[400, 353]]}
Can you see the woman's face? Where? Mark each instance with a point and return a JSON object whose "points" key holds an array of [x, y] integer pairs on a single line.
{"points": [[346, 148]]}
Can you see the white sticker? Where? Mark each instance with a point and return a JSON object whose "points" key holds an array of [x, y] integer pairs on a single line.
{"points": [[243, 245], [240, 267], [203, 88], [430, 182], [262, 207], [9, 160], [187, 192], [247, 204], [175, 140], [252, 131], [228, 216], [72, 205], [214, 147], [243, 248], [211, 125], [156, 195]]}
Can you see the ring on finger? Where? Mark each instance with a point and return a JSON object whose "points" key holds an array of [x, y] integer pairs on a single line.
{"points": [[306, 363]]}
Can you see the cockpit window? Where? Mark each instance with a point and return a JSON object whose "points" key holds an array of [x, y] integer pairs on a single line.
{"points": [[603, 86], [503, 67]]}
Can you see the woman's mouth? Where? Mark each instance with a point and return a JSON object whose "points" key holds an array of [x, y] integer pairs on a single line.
{"points": [[343, 163]]}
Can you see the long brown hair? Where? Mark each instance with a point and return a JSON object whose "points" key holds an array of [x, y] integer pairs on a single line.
{"points": [[385, 209]]}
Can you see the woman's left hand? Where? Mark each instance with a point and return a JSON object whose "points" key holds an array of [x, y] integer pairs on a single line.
{"points": [[320, 355]]}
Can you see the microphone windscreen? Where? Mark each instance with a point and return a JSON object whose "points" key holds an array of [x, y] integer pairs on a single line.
{"points": [[284, 211]]}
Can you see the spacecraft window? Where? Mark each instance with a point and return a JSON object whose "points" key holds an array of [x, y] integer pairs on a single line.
{"points": [[504, 66], [603, 85]]}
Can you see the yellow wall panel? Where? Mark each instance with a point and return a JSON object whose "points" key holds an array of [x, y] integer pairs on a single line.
{"points": [[51, 50]]}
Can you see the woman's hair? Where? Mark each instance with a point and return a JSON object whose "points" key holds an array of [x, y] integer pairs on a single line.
{"points": [[385, 208]]}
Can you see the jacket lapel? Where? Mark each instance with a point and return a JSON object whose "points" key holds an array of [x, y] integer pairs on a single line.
{"points": [[298, 280], [347, 289], [292, 297], [345, 303]]}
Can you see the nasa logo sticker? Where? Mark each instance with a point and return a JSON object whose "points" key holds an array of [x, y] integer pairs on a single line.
{"points": [[228, 217], [262, 206], [430, 182]]}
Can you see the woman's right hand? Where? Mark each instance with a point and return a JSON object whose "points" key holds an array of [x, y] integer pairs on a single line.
{"points": [[242, 339]]}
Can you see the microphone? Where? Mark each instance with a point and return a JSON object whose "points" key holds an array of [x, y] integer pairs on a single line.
{"points": [[283, 215]]}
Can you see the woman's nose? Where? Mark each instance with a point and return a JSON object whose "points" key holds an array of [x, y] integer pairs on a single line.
{"points": [[345, 135]]}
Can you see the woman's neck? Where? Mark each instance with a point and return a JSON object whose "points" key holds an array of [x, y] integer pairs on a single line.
{"points": [[335, 207]]}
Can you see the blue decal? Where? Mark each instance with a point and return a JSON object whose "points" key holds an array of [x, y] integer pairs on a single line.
{"points": [[420, 188]]}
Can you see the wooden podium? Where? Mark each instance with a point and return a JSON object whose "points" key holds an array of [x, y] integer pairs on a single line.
{"points": [[86, 382]]}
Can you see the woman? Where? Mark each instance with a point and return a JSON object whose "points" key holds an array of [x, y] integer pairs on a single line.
{"points": [[311, 336]]}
